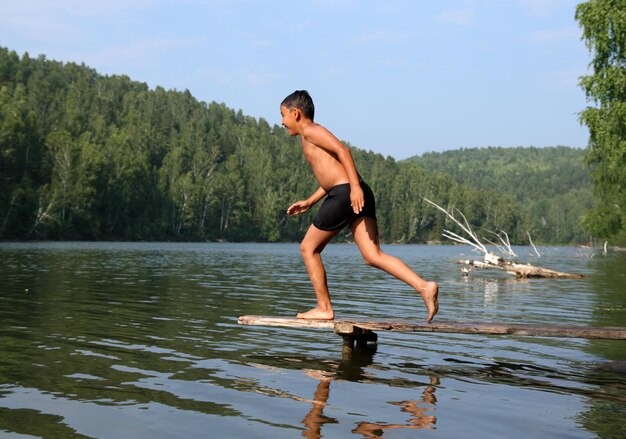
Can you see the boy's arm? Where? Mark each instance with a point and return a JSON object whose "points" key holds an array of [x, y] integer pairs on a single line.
{"points": [[303, 205]]}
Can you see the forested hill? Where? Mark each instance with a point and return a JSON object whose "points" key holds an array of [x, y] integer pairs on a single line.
{"points": [[525, 173], [550, 185], [87, 156]]}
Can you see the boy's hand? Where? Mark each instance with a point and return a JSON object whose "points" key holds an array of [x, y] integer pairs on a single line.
{"points": [[357, 200], [298, 207]]}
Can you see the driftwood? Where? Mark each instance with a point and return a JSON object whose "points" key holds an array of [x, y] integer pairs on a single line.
{"points": [[521, 270], [495, 260]]}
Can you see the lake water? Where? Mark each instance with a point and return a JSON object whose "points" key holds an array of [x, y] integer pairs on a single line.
{"points": [[140, 340]]}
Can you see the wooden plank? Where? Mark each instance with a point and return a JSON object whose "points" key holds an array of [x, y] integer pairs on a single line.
{"points": [[291, 322], [349, 326]]}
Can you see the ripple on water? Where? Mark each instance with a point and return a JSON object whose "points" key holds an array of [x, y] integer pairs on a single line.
{"points": [[141, 340]]}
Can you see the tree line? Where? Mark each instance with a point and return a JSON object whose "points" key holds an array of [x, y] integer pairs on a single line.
{"points": [[550, 186], [88, 156], [604, 31]]}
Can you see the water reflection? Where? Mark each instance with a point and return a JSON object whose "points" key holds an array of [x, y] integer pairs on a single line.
{"points": [[357, 368], [604, 416], [419, 414], [420, 410], [141, 341], [315, 418], [587, 380]]}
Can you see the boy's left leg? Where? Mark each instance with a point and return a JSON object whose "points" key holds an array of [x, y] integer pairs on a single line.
{"points": [[365, 232], [311, 248]]}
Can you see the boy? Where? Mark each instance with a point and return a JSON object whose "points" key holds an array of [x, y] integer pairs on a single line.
{"points": [[349, 201]]}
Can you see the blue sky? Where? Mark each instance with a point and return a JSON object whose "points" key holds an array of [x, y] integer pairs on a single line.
{"points": [[397, 77]]}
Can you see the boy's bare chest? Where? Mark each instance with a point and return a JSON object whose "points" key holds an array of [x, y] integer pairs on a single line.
{"points": [[310, 153], [314, 154]]}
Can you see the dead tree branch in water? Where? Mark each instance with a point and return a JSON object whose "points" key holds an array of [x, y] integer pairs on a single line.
{"points": [[492, 259]]}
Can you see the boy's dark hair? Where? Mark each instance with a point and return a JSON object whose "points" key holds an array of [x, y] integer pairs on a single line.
{"points": [[300, 99]]}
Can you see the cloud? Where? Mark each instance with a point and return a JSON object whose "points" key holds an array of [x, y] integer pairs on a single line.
{"points": [[244, 76], [256, 76], [78, 8], [546, 36], [41, 27], [37, 24], [458, 17], [219, 77], [543, 8], [255, 40], [332, 71], [566, 79], [379, 36], [61, 21], [138, 53], [336, 4]]}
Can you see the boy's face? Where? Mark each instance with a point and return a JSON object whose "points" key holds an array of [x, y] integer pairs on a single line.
{"points": [[289, 119]]}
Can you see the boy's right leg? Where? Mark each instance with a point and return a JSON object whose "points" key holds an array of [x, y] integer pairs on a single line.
{"points": [[365, 232], [311, 248]]}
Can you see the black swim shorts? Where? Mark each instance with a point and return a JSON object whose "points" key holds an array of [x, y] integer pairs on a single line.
{"points": [[336, 211]]}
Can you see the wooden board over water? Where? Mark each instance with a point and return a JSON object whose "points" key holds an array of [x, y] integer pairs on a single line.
{"points": [[352, 326]]}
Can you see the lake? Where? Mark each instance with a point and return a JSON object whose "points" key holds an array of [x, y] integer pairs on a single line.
{"points": [[140, 340]]}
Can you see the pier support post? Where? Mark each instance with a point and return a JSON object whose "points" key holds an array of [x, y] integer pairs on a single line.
{"points": [[354, 335], [348, 344]]}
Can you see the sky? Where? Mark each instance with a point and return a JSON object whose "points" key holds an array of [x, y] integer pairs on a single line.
{"points": [[396, 77]]}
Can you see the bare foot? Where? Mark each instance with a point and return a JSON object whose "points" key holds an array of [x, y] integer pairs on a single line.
{"points": [[317, 314], [430, 299]]}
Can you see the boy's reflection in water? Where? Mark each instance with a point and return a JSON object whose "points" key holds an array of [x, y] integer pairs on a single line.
{"points": [[418, 416], [417, 409], [314, 420]]}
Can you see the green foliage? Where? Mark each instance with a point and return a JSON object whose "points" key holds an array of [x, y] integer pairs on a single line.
{"points": [[543, 191], [86, 156], [604, 31]]}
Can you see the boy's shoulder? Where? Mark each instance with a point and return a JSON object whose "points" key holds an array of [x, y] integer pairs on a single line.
{"points": [[314, 129], [316, 135]]}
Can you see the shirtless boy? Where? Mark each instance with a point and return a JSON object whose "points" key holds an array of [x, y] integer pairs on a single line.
{"points": [[349, 202]]}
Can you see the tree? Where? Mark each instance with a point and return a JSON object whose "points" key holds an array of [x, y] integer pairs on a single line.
{"points": [[86, 156], [604, 31], [19, 159]]}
